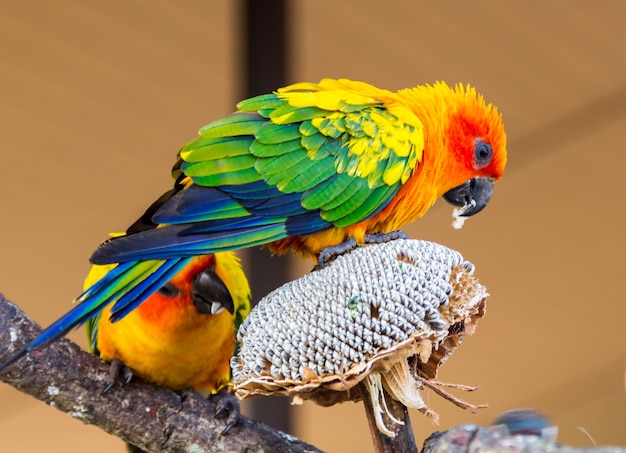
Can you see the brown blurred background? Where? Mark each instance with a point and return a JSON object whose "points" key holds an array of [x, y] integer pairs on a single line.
{"points": [[96, 98]]}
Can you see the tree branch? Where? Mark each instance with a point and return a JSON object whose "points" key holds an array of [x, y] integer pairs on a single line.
{"points": [[159, 420], [154, 418]]}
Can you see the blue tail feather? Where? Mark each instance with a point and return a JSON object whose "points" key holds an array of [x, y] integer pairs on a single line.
{"points": [[145, 288], [93, 299], [112, 287], [227, 227], [285, 206], [175, 241], [197, 203], [106, 282], [256, 189], [307, 223]]}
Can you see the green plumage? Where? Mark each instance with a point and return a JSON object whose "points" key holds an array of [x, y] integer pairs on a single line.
{"points": [[218, 148], [223, 179], [269, 102], [310, 175], [233, 125], [286, 114], [275, 134], [329, 190], [259, 149], [343, 151]]}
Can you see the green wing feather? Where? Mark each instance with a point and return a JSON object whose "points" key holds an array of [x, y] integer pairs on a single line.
{"points": [[347, 147], [234, 125], [95, 273], [92, 334], [217, 148]]}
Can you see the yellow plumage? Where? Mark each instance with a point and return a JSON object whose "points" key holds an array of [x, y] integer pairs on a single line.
{"points": [[166, 340]]}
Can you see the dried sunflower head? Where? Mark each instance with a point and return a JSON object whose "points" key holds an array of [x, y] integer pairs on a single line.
{"points": [[386, 314]]}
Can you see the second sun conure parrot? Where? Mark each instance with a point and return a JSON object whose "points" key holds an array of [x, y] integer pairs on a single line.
{"points": [[183, 335], [306, 168]]}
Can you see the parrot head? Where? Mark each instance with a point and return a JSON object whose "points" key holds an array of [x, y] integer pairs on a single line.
{"points": [[209, 285], [473, 141], [477, 142]]}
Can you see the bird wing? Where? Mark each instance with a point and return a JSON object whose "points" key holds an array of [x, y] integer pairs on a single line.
{"points": [[304, 159]]}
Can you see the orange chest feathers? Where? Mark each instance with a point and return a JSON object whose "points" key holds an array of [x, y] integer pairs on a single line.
{"points": [[168, 342]]}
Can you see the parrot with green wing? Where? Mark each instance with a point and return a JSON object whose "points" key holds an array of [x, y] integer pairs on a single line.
{"points": [[314, 165], [308, 169]]}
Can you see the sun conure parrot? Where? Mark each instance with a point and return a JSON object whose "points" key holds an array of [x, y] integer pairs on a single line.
{"points": [[311, 166], [314, 165], [181, 336]]}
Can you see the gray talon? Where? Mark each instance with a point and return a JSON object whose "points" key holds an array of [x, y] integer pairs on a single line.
{"points": [[117, 370], [378, 238], [226, 406], [334, 250]]}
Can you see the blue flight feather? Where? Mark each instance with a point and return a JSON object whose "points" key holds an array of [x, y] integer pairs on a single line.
{"points": [[146, 287], [223, 226], [194, 204], [183, 241], [110, 288], [307, 223]]}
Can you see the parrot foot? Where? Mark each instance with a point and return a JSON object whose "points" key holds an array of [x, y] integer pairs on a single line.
{"points": [[226, 406], [378, 238], [334, 250], [117, 371]]}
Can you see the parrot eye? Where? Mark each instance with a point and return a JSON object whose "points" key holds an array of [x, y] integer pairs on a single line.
{"points": [[168, 290], [482, 153]]}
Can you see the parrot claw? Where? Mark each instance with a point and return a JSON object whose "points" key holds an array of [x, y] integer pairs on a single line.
{"points": [[117, 370], [334, 250], [378, 238], [226, 406]]}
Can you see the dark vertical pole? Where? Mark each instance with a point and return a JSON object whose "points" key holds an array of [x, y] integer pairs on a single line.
{"points": [[265, 67], [266, 52]]}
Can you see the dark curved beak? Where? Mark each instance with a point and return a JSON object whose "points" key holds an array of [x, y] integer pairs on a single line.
{"points": [[210, 295], [473, 194]]}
